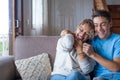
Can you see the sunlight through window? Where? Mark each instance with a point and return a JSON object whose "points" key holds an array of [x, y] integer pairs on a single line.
{"points": [[4, 23], [37, 15]]}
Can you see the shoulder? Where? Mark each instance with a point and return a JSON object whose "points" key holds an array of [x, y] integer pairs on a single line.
{"points": [[115, 37], [95, 39]]}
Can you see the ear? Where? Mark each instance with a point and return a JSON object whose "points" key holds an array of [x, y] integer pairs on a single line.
{"points": [[110, 24]]}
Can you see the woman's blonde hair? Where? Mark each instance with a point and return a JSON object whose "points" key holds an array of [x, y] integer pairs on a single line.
{"points": [[91, 24]]}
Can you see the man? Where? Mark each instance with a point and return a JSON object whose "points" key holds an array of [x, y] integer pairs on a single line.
{"points": [[106, 48]]}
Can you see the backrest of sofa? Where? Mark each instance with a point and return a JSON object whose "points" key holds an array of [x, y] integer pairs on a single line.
{"points": [[27, 46]]}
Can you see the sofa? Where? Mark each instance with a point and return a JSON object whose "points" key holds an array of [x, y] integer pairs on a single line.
{"points": [[26, 47]]}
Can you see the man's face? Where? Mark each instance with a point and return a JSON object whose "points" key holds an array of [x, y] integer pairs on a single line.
{"points": [[102, 27]]}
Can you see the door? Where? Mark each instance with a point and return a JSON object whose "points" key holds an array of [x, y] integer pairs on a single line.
{"points": [[15, 22], [115, 14], [11, 26], [18, 17]]}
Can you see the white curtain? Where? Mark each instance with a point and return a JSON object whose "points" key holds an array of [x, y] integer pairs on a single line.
{"points": [[39, 17]]}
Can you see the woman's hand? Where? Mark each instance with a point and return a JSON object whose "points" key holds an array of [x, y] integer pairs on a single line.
{"points": [[79, 49], [78, 46]]}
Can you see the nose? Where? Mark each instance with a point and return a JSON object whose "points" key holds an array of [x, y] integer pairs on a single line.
{"points": [[99, 28], [82, 34]]}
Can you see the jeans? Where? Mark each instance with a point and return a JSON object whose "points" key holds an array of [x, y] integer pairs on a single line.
{"points": [[99, 78], [75, 75], [109, 76]]}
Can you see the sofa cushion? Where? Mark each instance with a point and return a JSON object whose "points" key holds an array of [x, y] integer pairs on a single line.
{"points": [[34, 68]]}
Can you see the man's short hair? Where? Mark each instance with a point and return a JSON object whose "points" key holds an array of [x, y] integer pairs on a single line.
{"points": [[102, 13]]}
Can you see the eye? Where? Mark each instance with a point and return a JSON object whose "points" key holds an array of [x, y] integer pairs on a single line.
{"points": [[104, 24], [87, 33], [96, 25], [81, 30]]}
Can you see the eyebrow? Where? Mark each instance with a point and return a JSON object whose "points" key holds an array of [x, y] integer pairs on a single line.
{"points": [[102, 22]]}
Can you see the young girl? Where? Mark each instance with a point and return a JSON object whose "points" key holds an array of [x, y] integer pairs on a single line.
{"points": [[70, 62]]}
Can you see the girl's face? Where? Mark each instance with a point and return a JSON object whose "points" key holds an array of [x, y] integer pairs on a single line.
{"points": [[83, 32]]}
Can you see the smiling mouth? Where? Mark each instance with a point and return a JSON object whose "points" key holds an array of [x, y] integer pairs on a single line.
{"points": [[101, 32], [80, 38]]}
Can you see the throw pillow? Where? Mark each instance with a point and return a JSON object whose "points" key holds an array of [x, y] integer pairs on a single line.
{"points": [[34, 68]]}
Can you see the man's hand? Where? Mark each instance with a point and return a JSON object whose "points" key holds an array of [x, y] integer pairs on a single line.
{"points": [[88, 49]]}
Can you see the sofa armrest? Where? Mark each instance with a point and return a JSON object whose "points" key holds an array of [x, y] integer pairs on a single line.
{"points": [[7, 68]]}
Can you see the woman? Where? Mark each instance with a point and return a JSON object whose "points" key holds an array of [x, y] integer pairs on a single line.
{"points": [[70, 62]]}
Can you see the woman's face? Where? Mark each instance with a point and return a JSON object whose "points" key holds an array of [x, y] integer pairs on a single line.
{"points": [[83, 32]]}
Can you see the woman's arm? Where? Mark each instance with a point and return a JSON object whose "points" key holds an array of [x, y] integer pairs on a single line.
{"points": [[68, 42], [86, 64]]}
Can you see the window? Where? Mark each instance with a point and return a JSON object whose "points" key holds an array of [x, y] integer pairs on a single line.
{"points": [[37, 15], [4, 26]]}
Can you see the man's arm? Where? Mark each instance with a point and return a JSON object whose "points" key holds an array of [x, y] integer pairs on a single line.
{"points": [[113, 65]]}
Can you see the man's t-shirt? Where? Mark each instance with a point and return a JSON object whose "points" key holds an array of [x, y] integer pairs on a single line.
{"points": [[107, 48]]}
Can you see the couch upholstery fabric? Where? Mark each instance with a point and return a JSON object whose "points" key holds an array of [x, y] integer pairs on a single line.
{"points": [[27, 46], [7, 68]]}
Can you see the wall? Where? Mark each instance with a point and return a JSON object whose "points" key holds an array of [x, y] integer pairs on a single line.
{"points": [[63, 14], [67, 14], [27, 17]]}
